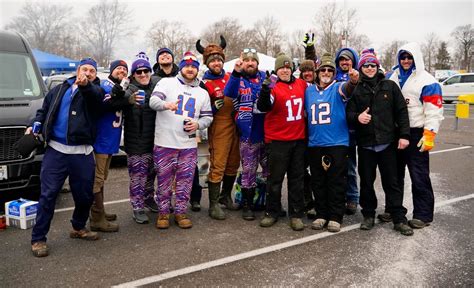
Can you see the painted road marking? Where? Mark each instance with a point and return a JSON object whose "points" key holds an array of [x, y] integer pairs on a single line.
{"points": [[126, 200], [257, 252]]}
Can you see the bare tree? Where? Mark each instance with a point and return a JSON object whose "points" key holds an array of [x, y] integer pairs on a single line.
{"points": [[233, 33], [328, 21], [266, 36], [429, 48], [337, 29], [294, 43], [388, 56], [171, 34], [104, 24], [43, 25], [464, 35]]}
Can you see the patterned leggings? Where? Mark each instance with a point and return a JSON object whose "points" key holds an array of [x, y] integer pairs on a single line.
{"points": [[251, 155], [174, 166], [142, 176]]}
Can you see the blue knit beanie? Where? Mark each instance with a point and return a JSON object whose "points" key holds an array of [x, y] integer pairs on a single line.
{"points": [[117, 63], [141, 61], [88, 61], [163, 50], [189, 59]]}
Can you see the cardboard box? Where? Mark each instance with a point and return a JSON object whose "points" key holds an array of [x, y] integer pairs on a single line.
{"points": [[21, 213]]}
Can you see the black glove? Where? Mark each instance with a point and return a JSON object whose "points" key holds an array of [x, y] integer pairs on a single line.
{"points": [[308, 40], [117, 91], [267, 80]]}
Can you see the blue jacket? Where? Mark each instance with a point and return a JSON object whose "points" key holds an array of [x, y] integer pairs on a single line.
{"points": [[83, 113], [245, 91], [342, 76]]}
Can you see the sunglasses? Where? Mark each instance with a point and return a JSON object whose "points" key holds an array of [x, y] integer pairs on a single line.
{"points": [[139, 72], [406, 57], [369, 65], [247, 50], [326, 70]]}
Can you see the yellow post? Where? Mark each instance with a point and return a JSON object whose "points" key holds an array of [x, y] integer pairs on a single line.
{"points": [[462, 110]]}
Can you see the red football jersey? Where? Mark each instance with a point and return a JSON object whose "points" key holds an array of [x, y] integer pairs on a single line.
{"points": [[285, 122]]}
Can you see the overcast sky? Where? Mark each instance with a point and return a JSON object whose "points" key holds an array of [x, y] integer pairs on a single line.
{"points": [[382, 21]]}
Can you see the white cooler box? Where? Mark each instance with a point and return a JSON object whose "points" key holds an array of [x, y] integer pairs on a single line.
{"points": [[21, 213]]}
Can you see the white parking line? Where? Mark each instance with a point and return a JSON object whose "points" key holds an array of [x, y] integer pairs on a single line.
{"points": [[452, 149], [125, 200], [257, 252]]}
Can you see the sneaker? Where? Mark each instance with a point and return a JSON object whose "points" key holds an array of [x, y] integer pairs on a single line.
{"points": [[296, 224], [267, 220], [311, 214], [84, 234], [195, 206], [403, 228], [385, 217], [140, 216], [151, 205], [351, 208], [418, 224], [40, 249], [318, 224], [334, 226], [183, 221], [163, 221], [367, 223]]}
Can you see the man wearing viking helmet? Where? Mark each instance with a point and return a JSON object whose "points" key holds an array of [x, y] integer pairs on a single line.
{"points": [[223, 138]]}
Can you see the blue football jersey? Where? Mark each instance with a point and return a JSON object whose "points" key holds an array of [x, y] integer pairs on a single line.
{"points": [[326, 116], [109, 126]]}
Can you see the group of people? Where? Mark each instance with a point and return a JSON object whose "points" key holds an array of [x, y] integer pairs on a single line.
{"points": [[278, 122]]}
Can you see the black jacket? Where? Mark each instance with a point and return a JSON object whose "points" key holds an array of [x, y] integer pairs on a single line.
{"points": [[388, 110], [160, 73], [139, 120], [85, 109]]}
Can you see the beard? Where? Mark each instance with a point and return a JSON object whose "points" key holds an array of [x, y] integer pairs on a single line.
{"points": [[326, 80], [189, 76]]}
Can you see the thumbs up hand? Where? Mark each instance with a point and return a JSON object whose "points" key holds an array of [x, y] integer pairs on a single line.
{"points": [[365, 117]]}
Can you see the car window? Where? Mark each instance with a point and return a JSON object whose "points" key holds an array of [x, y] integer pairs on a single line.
{"points": [[467, 79], [453, 80], [17, 76]]}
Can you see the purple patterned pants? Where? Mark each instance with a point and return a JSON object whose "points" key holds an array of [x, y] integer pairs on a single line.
{"points": [[142, 176], [174, 166], [251, 154]]}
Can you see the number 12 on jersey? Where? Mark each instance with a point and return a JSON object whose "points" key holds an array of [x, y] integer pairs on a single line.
{"points": [[321, 113]]}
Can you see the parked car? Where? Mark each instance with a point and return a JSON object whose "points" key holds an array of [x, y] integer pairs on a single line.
{"points": [[21, 93], [456, 85]]}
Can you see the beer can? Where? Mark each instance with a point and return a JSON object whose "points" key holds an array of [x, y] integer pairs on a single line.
{"points": [[36, 127], [124, 84], [141, 93], [186, 121]]}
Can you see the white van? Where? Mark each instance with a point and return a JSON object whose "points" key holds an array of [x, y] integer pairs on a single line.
{"points": [[456, 85]]}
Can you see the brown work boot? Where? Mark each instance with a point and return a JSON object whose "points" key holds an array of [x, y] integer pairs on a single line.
{"points": [[110, 217], [84, 234], [183, 221], [98, 222], [163, 221], [40, 249]]}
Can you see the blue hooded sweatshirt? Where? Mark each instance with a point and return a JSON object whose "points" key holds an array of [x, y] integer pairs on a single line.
{"points": [[342, 76]]}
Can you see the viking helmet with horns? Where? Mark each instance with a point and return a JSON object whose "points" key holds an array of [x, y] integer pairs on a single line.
{"points": [[212, 50]]}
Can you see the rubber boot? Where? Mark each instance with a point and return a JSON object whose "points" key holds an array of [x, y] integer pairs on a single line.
{"points": [[247, 204], [215, 211], [226, 193], [98, 221], [108, 217]]}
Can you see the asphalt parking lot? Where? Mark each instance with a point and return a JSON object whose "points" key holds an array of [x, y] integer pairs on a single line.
{"points": [[235, 252]]}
